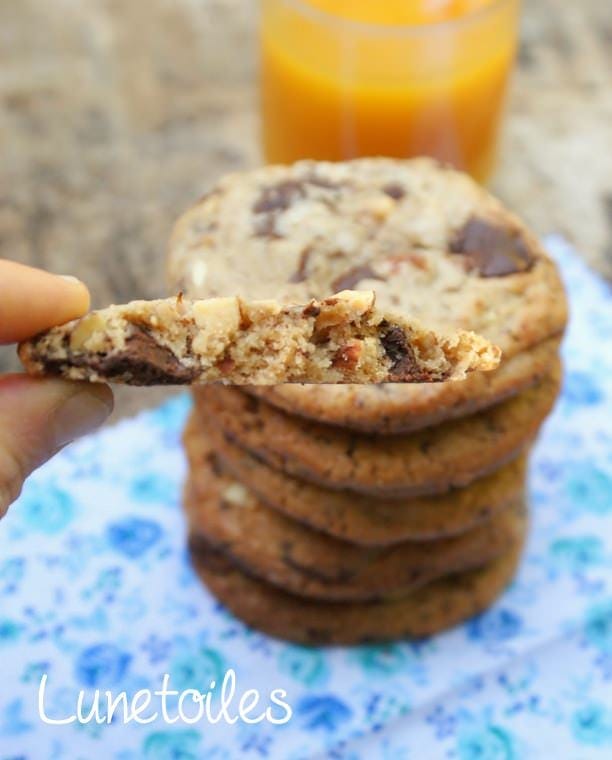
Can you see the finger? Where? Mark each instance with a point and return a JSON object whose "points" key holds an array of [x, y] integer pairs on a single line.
{"points": [[32, 300], [37, 418]]}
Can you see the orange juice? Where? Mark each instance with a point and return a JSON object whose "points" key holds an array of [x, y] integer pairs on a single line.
{"points": [[346, 78]]}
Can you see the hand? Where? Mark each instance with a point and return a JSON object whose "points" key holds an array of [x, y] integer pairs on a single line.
{"points": [[38, 416]]}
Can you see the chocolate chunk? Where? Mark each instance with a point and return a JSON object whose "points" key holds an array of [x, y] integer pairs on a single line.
{"points": [[272, 201], [348, 280], [144, 361], [492, 250], [300, 273], [278, 197], [394, 190], [397, 348], [149, 361]]}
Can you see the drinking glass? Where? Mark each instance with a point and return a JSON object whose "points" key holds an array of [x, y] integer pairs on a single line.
{"points": [[342, 79]]}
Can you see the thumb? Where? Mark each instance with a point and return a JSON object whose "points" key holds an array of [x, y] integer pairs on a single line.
{"points": [[37, 418]]}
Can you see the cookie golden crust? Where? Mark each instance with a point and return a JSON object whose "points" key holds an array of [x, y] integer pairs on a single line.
{"points": [[285, 553], [341, 339], [430, 241], [429, 610], [406, 408], [362, 520], [430, 461]]}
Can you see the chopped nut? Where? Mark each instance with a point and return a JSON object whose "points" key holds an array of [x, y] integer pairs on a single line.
{"points": [[217, 320], [347, 306], [346, 358], [311, 310], [225, 365], [236, 494], [262, 309], [381, 207], [86, 328]]}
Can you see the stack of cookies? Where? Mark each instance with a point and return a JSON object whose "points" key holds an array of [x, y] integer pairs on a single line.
{"points": [[346, 513]]}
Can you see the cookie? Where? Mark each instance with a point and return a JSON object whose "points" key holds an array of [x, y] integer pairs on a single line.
{"points": [[428, 240], [342, 339], [362, 520], [429, 610], [404, 408], [430, 461], [309, 563]]}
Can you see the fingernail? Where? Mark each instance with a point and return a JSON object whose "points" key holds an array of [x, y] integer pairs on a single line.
{"points": [[70, 278], [82, 413]]}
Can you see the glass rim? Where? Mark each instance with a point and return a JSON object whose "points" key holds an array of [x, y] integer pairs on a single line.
{"points": [[397, 30]]}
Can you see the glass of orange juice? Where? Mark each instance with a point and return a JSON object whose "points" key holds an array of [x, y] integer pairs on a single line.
{"points": [[346, 78]]}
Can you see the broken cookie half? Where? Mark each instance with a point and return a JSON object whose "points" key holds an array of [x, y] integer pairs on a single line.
{"points": [[173, 341]]}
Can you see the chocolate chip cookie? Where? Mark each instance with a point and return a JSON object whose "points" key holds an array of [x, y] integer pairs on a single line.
{"points": [[306, 562], [341, 339], [362, 520], [429, 461], [427, 239], [430, 609], [400, 408]]}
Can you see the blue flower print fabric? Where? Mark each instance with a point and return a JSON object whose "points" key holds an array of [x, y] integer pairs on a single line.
{"points": [[97, 593]]}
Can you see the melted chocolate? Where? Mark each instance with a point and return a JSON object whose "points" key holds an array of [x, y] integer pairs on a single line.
{"points": [[492, 250], [300, 273], [352, 277], [143, 361], [400, 352], [394, 190], [278, 197]]}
